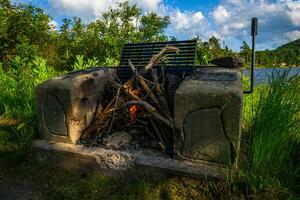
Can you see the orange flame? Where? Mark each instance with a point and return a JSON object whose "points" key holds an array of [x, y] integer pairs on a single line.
{"points": [[133, 110]]}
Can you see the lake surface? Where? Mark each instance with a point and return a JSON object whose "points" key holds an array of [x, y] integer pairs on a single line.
{"points": [[261, 75]]}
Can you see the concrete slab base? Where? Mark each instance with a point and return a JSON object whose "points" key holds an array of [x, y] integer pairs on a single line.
{"points": [[134, 164]]}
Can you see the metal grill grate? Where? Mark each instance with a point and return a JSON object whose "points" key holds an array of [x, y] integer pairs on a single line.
{"points": [[141, 53]]}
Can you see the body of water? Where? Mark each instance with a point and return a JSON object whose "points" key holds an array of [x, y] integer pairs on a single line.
{"points": [[261, 75]]}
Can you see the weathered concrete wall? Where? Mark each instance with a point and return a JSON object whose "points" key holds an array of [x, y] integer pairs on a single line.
{"points": [[66, 104], [208, 113], [130, 164]]}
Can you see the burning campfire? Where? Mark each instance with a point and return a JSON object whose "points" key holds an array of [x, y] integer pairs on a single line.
{"points": [[138, 106]]}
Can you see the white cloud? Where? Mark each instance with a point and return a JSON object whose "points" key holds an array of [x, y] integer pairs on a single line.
{"points": [[293, 11], [220, 14], [230, 20], [186, 24], [183, 21], [235, 2], [148, 5], [275, 19], [86, 9], [293, 35], [90, 9]]}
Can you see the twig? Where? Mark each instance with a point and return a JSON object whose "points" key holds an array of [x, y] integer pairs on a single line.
{"points": [[158, 133], [154, 85], [160, 96], [158, 57], [145, 86], [116, 104]]}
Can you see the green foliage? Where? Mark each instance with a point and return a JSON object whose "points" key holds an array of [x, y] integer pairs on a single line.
{"points": [[17, 98], [203, 53], [152, 26], [285, 55], [215, 47], [23, 29], [25, 32], [103, 39], [207, 51], [250, 102], [18, 84], [246, 52], [81, 64], [288, 53]]}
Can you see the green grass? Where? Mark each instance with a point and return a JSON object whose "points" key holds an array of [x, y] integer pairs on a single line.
{"points": [[55, 183], [270, 128], [275, 131]]}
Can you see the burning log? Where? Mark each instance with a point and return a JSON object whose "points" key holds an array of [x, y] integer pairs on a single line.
{"points": [[151, 110]]}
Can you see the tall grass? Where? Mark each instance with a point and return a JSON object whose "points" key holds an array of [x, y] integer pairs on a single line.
{"points": [[276, 130]]}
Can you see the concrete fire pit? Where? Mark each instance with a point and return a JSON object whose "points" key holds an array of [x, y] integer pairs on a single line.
{"points": [[145, 118], [201, 146]]}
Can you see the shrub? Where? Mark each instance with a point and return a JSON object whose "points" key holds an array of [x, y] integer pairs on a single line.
{"points": [[81, 64], [17, 99]]}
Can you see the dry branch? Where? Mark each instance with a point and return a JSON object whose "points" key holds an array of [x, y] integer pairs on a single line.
{"points": [[145, 86], [161, 97], [163, 144], [156, 59]]}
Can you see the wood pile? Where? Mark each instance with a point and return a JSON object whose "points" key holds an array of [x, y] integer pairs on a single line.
{"points": [[139, 104]]}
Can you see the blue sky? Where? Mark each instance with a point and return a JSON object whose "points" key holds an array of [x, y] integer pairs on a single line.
{"points": [[228, 20]]}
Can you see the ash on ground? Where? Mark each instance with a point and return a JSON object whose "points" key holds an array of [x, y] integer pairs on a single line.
{"points": [[130, 139]]}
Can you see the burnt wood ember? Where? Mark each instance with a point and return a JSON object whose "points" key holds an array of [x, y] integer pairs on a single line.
{"points": [[138, 106]]}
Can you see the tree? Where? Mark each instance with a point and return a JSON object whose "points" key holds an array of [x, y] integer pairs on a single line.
{"points": [[153, 26], [24, 31], [215, 47], [245, 52], [107, 35]]}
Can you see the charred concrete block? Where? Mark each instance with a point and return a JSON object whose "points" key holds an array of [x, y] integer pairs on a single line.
{"points": [[66, 104], [207, 114]]}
